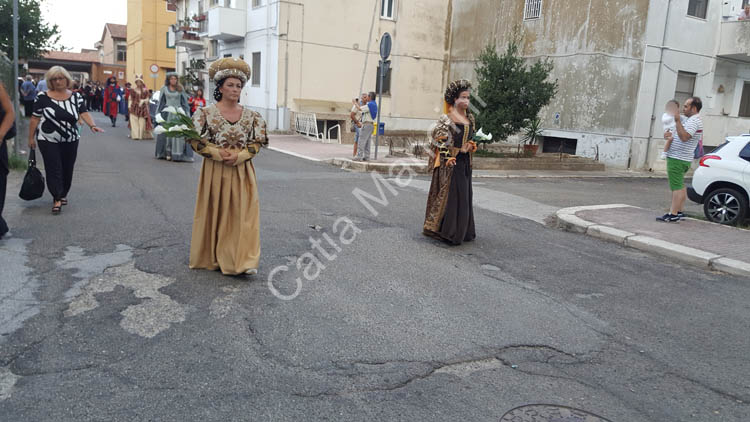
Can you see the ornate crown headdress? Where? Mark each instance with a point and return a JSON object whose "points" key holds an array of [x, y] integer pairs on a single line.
{"points": [[229, 66], [454, 89]]}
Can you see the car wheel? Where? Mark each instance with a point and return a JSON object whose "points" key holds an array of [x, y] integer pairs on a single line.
{"points": [[725, 206]]}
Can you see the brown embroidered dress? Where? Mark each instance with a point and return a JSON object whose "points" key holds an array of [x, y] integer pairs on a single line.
{"points": [[226, 231], [450, 213], [140, 118]]}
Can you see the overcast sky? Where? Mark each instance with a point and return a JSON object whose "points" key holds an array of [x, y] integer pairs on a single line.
{"points": [[81, 22]]}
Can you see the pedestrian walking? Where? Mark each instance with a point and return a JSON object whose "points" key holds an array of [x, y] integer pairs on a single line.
{"points": [[197, 101], [226, 231], [140, 118], [366, 127], [112, 98], [98, 97], [124, 101], [7, 119], [54, 127], [450, 210], [681, 154], [28, 93], [172, 95]]}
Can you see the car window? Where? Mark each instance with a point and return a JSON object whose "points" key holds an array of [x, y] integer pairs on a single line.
{"points": [[715, 150], [745, 153]]}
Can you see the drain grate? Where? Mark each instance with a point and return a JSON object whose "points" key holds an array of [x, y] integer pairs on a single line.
{"points": [[550, 413]]}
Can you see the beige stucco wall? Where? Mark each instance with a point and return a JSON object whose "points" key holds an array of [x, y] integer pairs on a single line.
{"points": [[109, 50], [148, 24], [326, 49]]}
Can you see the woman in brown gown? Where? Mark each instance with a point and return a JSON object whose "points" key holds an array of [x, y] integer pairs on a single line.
{"points": [[450, 213], [226, 231]]}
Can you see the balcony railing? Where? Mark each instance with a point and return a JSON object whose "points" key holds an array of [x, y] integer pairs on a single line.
{"points": [[735, 40], [227, 24]]}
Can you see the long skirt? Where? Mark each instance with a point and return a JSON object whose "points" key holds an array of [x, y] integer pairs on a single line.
{"points": [[450, 212], [226, 225], [138, 128]]}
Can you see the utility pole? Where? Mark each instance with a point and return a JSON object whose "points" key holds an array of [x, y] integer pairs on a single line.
{"points": [[17, 141], [385, 64]]}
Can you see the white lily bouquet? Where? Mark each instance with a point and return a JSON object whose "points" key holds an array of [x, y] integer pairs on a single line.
{"points": [[482, 137], [183, 127]]}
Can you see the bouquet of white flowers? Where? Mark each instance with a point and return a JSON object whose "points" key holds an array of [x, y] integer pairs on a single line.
{"points": [[482, 137], [183, 127]]}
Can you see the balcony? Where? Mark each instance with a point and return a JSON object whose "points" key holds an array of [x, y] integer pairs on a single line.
{"points": [[735, 40], [227, 24], [187, 37]]}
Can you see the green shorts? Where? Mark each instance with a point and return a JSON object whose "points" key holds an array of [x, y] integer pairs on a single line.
{"points": [[676, 170]]}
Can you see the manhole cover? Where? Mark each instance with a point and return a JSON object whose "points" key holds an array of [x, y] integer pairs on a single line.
{"points": [[550, 413]]}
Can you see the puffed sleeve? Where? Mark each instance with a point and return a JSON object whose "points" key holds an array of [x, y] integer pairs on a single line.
{"points": [[442, 137], [258, 138], [203, 146]]}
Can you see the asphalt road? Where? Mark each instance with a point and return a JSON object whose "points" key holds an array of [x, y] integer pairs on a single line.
{"points": [[103, 321]]}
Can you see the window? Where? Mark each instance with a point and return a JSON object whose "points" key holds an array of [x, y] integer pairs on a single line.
{"points": [[122, 53], [745, 101], [220, 3], [697, 8], [532, 10], [386, 82], [171, 5], [213, 50], [685, 86], [228, 55], [257, 3], [388, 9], [745, 153], [256, 69]]}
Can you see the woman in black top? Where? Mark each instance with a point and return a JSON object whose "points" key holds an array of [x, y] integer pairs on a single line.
{"points": [[6, 123], [56, 115]]}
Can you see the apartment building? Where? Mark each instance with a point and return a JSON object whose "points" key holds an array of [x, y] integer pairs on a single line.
{"points": [[617, 64], [314, 56], [149, 46]]}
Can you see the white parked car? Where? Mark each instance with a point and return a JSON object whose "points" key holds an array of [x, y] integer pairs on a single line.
{"points": [[722, 182]]}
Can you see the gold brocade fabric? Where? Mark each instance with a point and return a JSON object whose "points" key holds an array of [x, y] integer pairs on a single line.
{"points": [[445, 146], [226, 225]]}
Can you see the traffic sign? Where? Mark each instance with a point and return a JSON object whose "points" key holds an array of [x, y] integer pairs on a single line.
{"points": [[385, 46], [154, 68]]}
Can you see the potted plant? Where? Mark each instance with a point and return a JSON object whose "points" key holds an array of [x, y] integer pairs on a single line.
{"points": [[532, 136]]}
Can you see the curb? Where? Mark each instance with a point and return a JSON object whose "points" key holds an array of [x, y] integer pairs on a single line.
{"points": [[567, 219], [359, 166]]}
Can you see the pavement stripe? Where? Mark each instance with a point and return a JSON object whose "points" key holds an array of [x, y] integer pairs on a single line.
{"points": [[501, 203]]}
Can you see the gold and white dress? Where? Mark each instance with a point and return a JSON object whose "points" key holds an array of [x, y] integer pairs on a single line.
{"points": [[226, 231]]}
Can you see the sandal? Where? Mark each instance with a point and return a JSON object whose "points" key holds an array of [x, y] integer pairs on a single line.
{"points": [[56, 210], [64, 201]]}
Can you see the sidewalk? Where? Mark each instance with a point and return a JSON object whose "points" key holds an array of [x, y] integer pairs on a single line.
{"points": [[692, 241], [341, 156]]}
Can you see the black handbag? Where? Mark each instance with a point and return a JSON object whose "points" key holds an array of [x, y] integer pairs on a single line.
{"points": [[33, 182]]}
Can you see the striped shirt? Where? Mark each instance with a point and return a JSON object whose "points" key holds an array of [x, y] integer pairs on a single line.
{"points": [[58, 120], [685, 150]]}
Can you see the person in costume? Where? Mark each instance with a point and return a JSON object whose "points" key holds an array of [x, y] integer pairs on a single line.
{"points": [[226, 232], [112, 98], [450, 215], [172, 95], [140, 118]]}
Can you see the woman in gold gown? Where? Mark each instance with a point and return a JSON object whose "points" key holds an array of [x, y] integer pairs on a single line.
{"points": [[226, 231]]}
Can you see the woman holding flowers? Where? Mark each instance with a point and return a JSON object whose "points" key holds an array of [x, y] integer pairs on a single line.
{"points": [[450, 214], [172, 102], [226, 232]]}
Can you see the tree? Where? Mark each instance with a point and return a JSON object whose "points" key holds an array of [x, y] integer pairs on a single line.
{"points": [[35, 37], [513, 91]]}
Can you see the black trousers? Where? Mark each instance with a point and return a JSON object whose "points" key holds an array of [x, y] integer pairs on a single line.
{"points": [[3, 183], [28, 107], [59, 160]]}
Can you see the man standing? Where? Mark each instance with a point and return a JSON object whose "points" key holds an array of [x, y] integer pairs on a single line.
{"points": [[356, 116], [366, 128], [681, 154], [28, 93], [745, 13], [41, 86]]}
